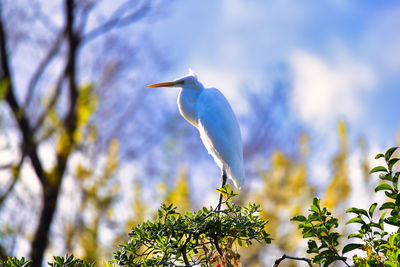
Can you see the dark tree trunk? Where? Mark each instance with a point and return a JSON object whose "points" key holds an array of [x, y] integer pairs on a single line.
{"points": [[40, 241]]}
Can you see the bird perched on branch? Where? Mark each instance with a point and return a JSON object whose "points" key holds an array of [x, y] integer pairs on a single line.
{"points": [[208, 110]]}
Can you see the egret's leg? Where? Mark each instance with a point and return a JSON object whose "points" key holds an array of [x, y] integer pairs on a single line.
{"points": [[224, 178]]}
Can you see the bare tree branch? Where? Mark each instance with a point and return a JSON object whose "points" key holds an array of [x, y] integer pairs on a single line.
{"points": [[15, 177], [85, 15], [42, 17], [118, 20], [51, 189], [6, 166], [183, 249], [69, 36], [221, 253], [52, 52], [73, 42], [52, 102], [29, 146], [278, 261]]}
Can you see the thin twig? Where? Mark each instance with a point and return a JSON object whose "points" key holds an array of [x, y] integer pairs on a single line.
{"points": [[117, 20], [52, 101], [278, 261], [183, 249], [15, 177], [85, 15], [331, 245], [19, 114], [221, 253], [52, 52], [6, 166]]}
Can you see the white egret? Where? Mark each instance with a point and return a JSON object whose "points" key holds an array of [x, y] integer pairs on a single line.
{"points": [[208, 110]]}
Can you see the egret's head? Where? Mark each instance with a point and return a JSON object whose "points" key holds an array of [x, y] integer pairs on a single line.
{"points": [[189, 81]]}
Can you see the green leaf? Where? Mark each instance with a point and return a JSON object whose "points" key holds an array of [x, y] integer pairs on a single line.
{"points": [[316, 201], [357, 211], [389, 263], [312, 247], [387, 205], [355, 236], [393, 221], [350, 247], [381, 220], [314, 218], [4, 87], [314, 208], [389, 153], [387, 177], [378, 169], [372, 209], [392, 162], [398, 200], [383, 187], [379, 156], [395, 212], [376, 225], [222, 191], [299, 218], [308, 234], [355, 220], [391, 195]]}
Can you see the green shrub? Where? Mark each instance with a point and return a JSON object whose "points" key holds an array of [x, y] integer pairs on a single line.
{"points": [[380, 247]]}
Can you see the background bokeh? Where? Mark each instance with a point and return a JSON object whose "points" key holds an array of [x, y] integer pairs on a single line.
{"points": [[314, 86]]}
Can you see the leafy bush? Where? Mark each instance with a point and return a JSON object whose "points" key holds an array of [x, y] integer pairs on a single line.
{"points": [[206, 237], [380, 248], [15, 262], [198, 238], [320, 224], [195, 238]]}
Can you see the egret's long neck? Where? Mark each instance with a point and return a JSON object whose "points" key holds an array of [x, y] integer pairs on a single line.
{"points": [[187, 101]]}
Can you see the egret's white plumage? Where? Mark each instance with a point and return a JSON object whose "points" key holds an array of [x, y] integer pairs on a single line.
{"points": [[208, 110]]}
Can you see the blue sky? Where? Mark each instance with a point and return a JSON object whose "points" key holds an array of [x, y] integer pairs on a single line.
{"points": [[344, 51], [343, 60]]}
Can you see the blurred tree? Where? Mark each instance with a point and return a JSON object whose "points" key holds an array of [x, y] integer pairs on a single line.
{"points": [[138, 207], [365, 167], [98, 192], [283, 193], [339, 188], [49, 117], [181, 193]]}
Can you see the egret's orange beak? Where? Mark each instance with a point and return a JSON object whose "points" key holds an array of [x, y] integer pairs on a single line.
{"points": [[164, 84]]}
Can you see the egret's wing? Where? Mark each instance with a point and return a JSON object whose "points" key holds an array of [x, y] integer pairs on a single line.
{"points": [[220, 133]]}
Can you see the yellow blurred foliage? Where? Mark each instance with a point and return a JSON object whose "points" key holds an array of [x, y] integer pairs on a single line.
{"points": [[64, 144], [139, 208], [284, 193], [98, 191], [180, 194], [87, 104], [365, 167], [339, 188]]}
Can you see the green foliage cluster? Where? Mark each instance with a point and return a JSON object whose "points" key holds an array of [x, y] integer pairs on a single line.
{"points": [[191, 239], [206, 237], [379, 247], [15, 262], [69, 261], [320, 224]]}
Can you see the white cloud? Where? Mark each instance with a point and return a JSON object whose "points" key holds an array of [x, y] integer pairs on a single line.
{"points": [[325, 91], [381, 42]]}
